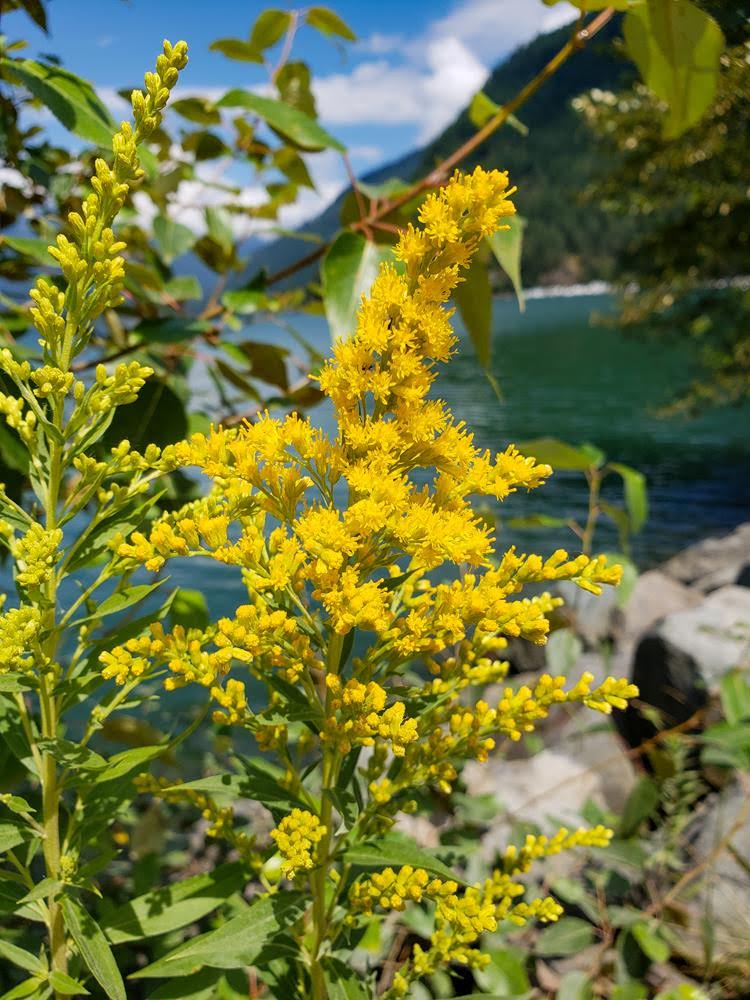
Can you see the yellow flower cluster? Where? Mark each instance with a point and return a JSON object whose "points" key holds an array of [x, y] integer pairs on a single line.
{"points": [[36, 554], [392, 890], [297, 836], [233, 701], [257, 636], [519, 711], [19, 639], [518, 860], [358, 717]]}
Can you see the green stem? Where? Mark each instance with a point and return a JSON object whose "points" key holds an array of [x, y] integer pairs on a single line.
{"points": [[331, 766], [587, 538]]}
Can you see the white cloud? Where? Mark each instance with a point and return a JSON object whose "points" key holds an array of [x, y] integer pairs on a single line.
{"points": [[426, 81]]}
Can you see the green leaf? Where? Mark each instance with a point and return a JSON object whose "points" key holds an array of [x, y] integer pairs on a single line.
{"points": [[65, 984], [93, 947], [202, 985], [588, 5], [636, 494], [473, 296], [237, 943], [537, 521], [22, 958], [173, 906], [566, 937], [29, 988], [396, 849], [184, 287], [345, 983], [173, 238], [189, 609], [293, 82], [10, 836], [506, 245], [16, 804], [71, 100], [127, 761], [236, 48], [652, 946], [734, 690], [171, 331], [261, 782], [329, 23], [641, 804], [482, 108], [269, 28], [121, 600], [575, 985], [677, 48], [30, 246], [558, 454], [196, 109], [293, 125], [348, 270]]}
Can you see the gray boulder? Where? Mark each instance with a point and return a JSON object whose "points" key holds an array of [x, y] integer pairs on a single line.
{"points": [[712, 563]]}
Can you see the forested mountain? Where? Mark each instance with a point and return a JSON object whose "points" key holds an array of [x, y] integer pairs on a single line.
{"points": [[566, 240]]}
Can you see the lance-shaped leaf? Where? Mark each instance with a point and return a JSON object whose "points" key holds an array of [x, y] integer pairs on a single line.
{"points": [[473, 296], [676, 47], [348, 270], [237, 943], [329, 23], [94, 949], [507, 246], [71, 100], [289, 122], [636, 494], [395, 850]]}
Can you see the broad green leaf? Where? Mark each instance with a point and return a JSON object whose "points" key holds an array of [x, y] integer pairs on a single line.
{"points": [[173, 238], [734, 690], [237, 943], [506, 245], [189, 609], [636, 494], [94, 948], [566, 937], [391, 188], [30, 246], [537, 521], [236, 48], [294, 125], [13, 683], [473, 296], [328, 23], [269, 28], [173, 906], [348, 270], [575, 985], [10, 836], [22, 958], [396, 849], [183, 287], [676, 47], [293, 82], [651, 944], [558, 454], [65, 984], [71, 100], [171, 331], [727, 745], [196, 109], [641, 804]]}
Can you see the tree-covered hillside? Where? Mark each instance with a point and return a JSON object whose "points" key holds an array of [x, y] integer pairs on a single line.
{"points": [[565, 241]]}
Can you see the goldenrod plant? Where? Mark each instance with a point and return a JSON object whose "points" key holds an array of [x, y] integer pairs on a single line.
{"points": [[46, 641], [377, 610]]}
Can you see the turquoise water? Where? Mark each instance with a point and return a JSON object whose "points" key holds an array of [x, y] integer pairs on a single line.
{"points": [[566, 377]]}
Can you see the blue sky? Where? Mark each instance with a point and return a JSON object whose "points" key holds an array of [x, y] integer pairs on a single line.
{"points": [[414, 66]]}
